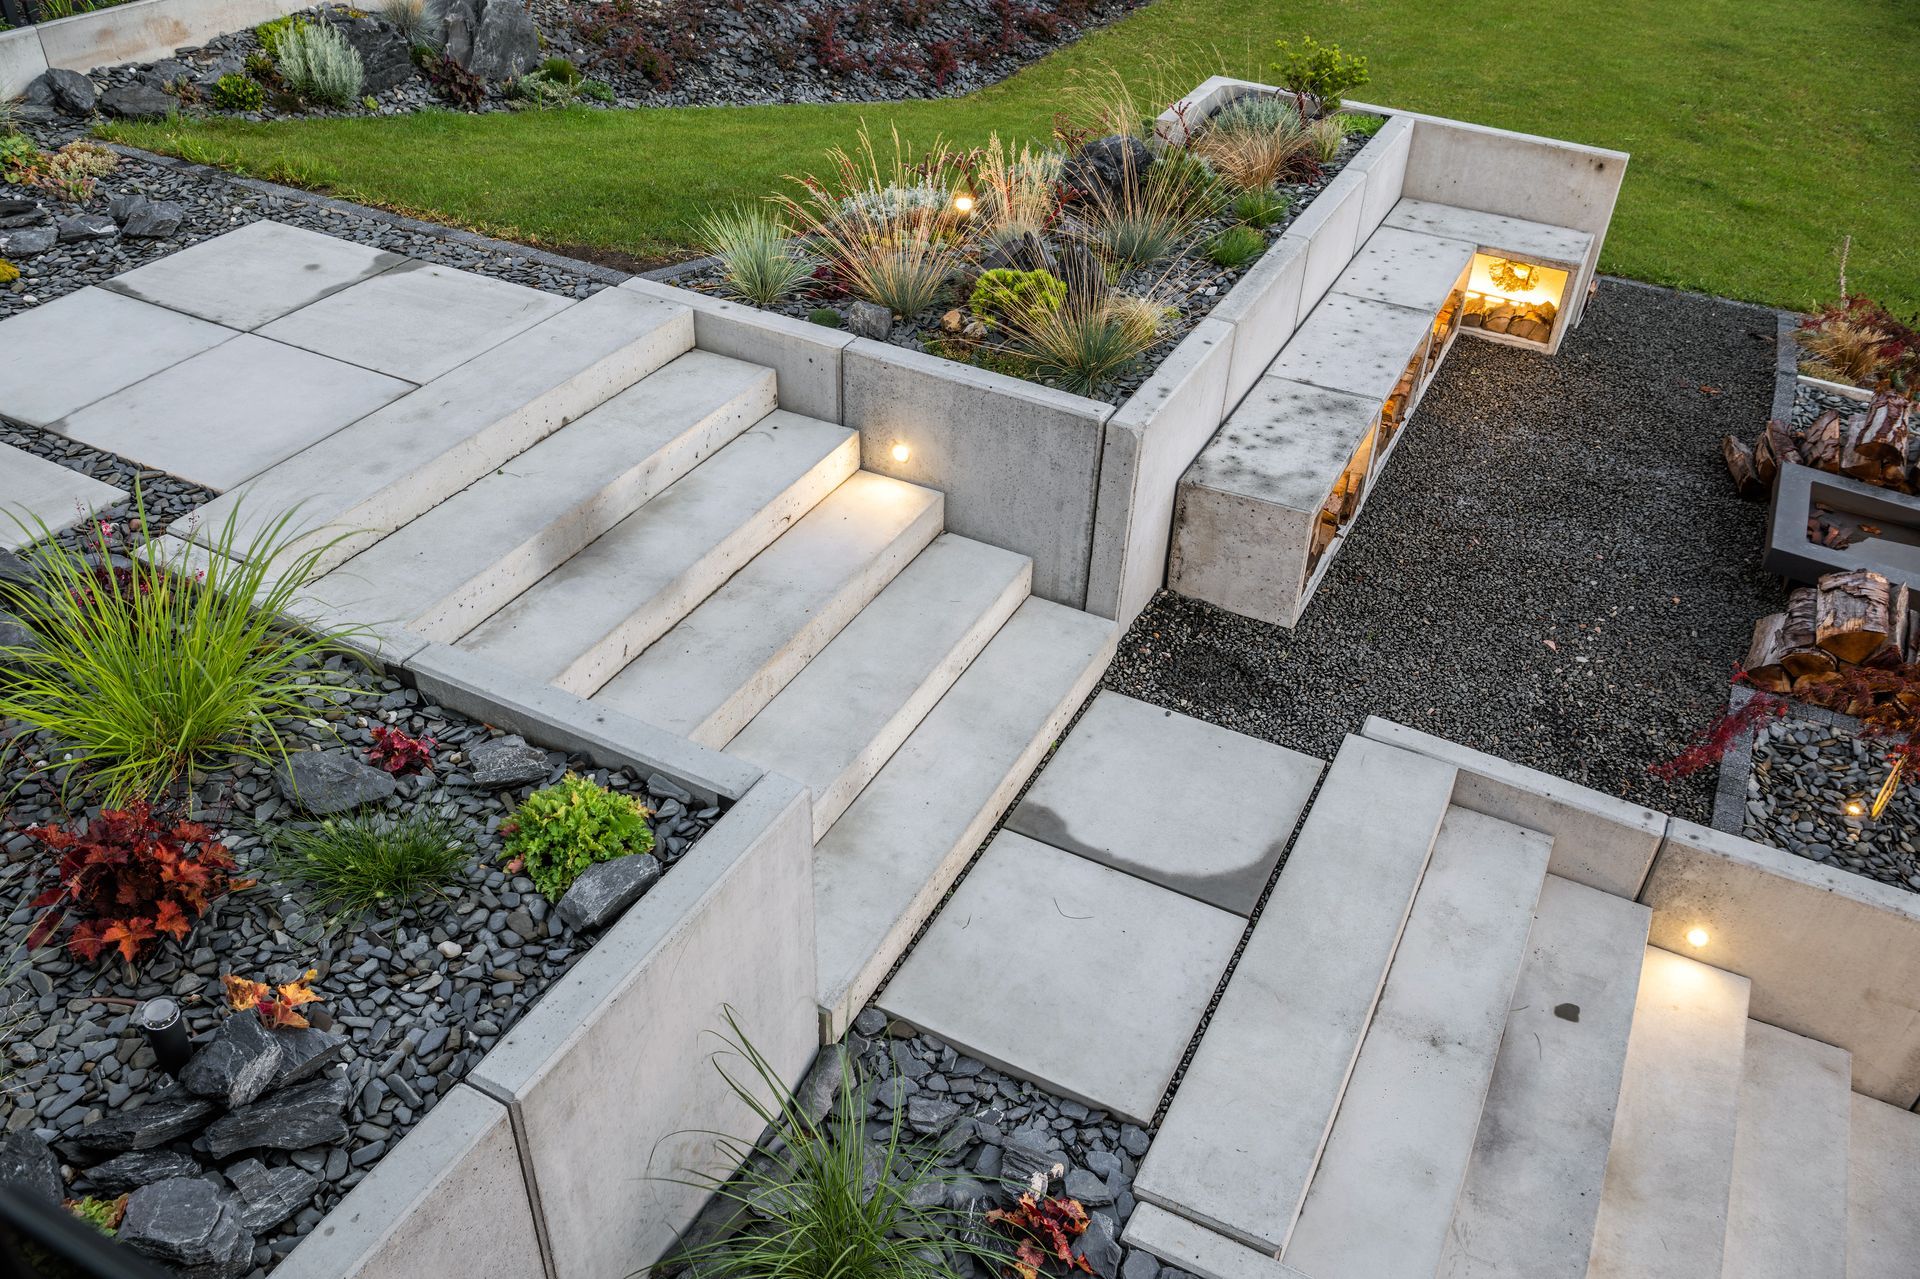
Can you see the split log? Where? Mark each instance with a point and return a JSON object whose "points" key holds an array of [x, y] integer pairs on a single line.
{"points": [[1825, 442], [1893, 650], [1854, 614], [1857, 463], [1807, 683], [1883, 433], [1770, 452], [1746, 481], [1769, 645], [1801, 656]]}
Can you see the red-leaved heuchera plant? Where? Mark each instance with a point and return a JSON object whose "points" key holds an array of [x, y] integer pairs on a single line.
{"points": [[1044, 1230], [130, 877], [399, 754]]}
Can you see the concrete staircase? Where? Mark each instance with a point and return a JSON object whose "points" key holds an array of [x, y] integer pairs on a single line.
{"points": [[599, 506], [1437, 1059]]}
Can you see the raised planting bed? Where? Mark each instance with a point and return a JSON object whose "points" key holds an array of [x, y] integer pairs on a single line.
{"points": [[238, 1015]]}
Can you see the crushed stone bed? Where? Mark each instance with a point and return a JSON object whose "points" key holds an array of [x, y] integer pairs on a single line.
{"points": [[1802, 776], [1554, 568]]}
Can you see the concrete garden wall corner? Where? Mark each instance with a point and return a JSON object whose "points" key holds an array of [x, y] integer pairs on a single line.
{"points": [[805, 357], [142, 31]]}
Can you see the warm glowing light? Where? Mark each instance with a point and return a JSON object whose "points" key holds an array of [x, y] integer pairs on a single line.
{"points": [[1696, 937], [963, 203], [1521, 282], [1855, 808], [901, 452]]}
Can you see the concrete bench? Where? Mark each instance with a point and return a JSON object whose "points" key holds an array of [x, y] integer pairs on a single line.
{"points": [[1265, 506]]}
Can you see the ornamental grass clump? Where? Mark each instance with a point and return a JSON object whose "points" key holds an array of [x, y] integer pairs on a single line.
{"points": [[560, 831], [318, 65], [1327, 136], [758, 258], [1152, 216], [148, 661], [824, 1199], [1084, 343], [369, 863], [1236, 246], [1016, 194]]}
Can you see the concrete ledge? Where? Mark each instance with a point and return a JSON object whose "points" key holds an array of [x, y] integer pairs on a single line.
{"points": [[805, 357], [610, 1080], [1598, 840], [1197, 1250], [449, 1199], [496, 695], [1264, 308], [1149, 444], [1019, 463], [1832, 955], [1383, 162], [143, 31], [1330, 226]]}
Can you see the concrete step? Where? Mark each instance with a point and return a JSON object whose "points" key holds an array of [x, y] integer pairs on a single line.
{"points": [[884, 866], [1663, 1210], [1883, 1185], [1787, 1211], [398, 462], [1240, 1142], [1539, 1161], [723, 662], [458, 564], [580, 624], [1191, 1247], [844, 716], [34, 489], [1384, 1194]]}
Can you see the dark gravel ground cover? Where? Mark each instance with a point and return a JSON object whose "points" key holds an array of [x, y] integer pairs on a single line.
{"points": [[1553, 569]]}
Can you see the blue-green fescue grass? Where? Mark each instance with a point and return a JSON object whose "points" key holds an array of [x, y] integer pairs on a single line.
{"points": [[369, 863], [760, 261], [140, 676], [818, 1209]]}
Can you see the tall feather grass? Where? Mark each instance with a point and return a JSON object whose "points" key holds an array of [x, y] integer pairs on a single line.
{"points": [[1151, 216], [1017, 193], [758, 257], [817, 1205], [1084, 343], [145, 667]]}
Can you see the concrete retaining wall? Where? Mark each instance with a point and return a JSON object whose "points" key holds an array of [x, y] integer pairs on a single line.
{"points": [[143, 31]]}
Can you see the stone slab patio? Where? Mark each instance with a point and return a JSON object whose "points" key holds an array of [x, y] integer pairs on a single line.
{"points": [[60, 357], [34, 489], [1080, 977], [1237, 801]]}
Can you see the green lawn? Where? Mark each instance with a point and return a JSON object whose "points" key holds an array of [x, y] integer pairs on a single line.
{"points": [[1762, 131]]}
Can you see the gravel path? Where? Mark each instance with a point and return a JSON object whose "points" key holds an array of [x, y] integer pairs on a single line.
{"points": [[1553, 569]]}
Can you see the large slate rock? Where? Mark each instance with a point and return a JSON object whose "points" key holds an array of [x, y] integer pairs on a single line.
{"points": [[494, 39], [38, 93], [147, 219], [507, 761], [72, 93], [309, 1114], [171, 1114], [605, 890], [305, 1052], [189, 1222], [88, 226], [239, 1062], [137, 102], [1105, 168], [28, 241], [268, 1196], [869, 320], [14, 634], [327, 782], [139, 1168], [1099, 1246], [19, 213], [28, 1167], [385, 56]]}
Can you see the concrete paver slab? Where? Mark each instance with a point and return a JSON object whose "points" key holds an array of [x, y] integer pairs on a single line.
{"points": [[32, 488], [254, 275], [63, 355]]}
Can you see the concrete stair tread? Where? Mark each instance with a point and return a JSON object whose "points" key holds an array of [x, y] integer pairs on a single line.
{"points": [[1883, 1185], [33, 488], [844, 715], [587, 619], [1526, 1210], [1663, 1210], [724, 661], [1191, 1247], [882, 868], [1235, 1152], [449, 570], [1787, 1207], [1383, 1195], [399, 461]]}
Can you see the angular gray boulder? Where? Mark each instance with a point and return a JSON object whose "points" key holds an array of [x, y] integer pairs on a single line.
{"points": [[29, 1167], [605, 890], [137, 102], [138, 1168], [268, 1196], [507, 761], [147, 219], [191, 1223], [328, 782], [174, 1113], [494, 39], [70, 92], [310, 1114], [236, 1065], [28, 241], [386, 59]]}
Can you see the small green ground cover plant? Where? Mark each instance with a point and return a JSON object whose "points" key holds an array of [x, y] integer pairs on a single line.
{"points": [[832, 1202], [236, 92], [1004, 294], [148, 661], [1325, 70], [1236, 246], [560, 831], [365, 864]]}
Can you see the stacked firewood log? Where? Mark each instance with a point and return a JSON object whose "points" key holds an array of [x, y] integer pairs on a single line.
{"points": [[1530, 320], [1876, 446], [1853, 618]]}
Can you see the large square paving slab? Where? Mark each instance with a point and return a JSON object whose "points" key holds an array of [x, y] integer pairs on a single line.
{"points": [[255, 274], [34, 491], [416, 321], [69, 352], [228, 414], [1079, 977], [1227, 803]]}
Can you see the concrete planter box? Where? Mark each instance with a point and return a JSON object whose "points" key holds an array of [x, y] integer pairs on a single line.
{"points": [[143, 31], [1894, 554], [561, 1154]]}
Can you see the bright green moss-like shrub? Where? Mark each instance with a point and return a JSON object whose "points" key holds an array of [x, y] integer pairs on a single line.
{"points": [[1005, 294], [569, 826], [235, 92]]}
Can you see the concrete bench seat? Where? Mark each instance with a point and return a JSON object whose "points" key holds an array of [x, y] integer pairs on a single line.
{"points": [[1413, 269], [1541, 241]]}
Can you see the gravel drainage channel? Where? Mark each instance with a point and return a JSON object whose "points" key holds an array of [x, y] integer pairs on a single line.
{"points": [[1554, 571]]}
